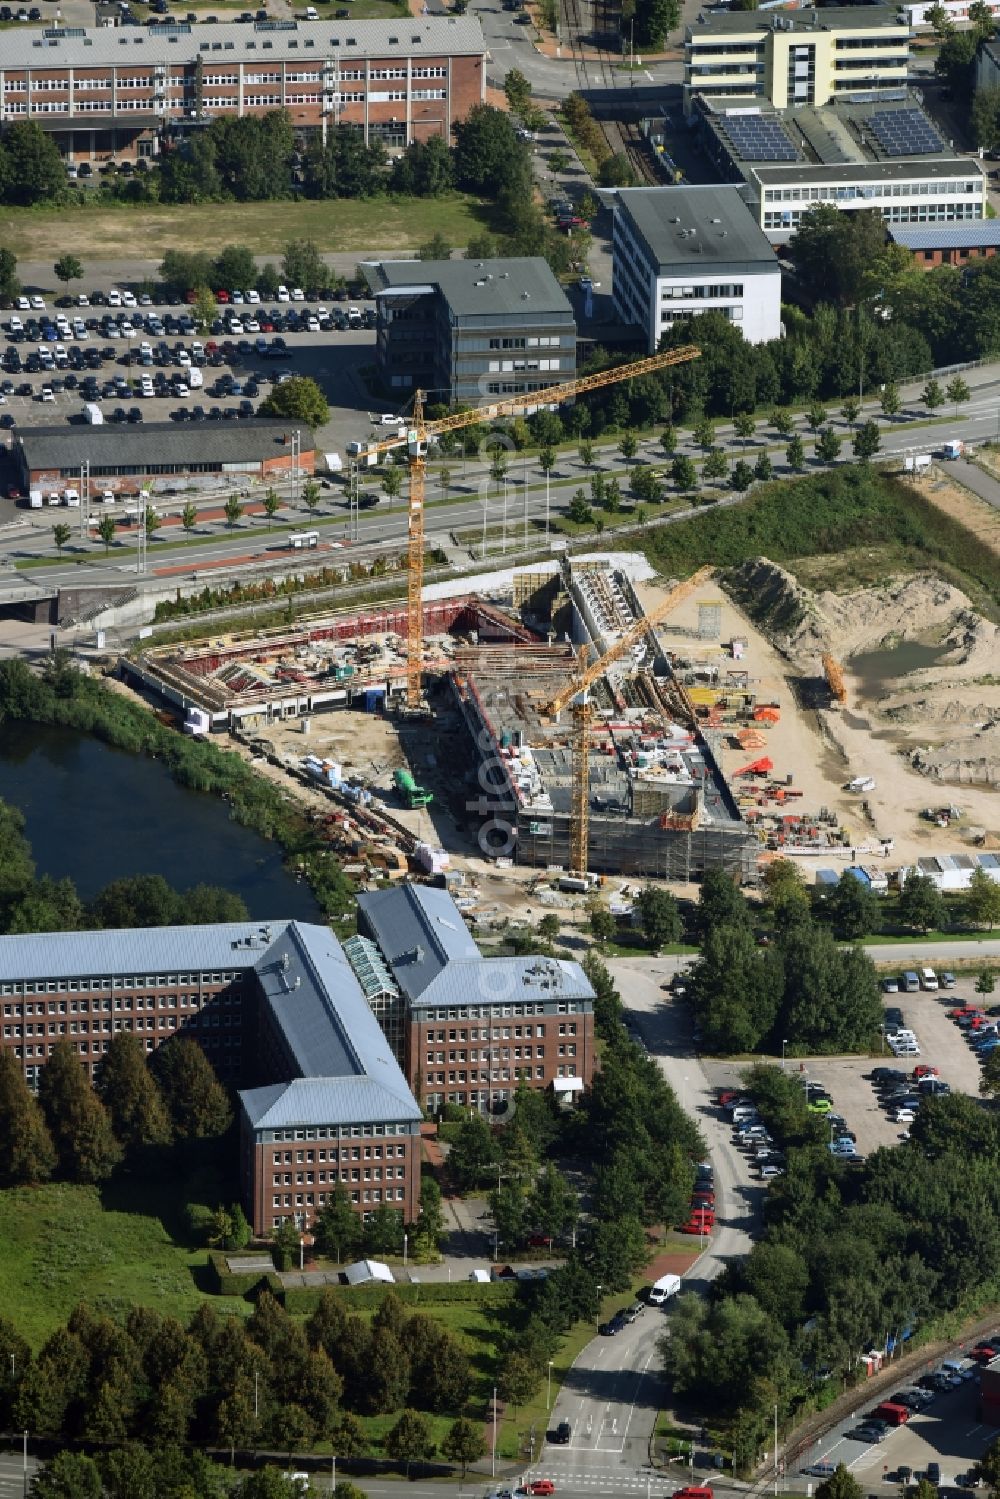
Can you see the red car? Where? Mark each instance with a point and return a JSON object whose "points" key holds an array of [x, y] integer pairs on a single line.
{"points": [[964, 1010], [539, 1486], [701, 1221], [191, 296], [539, 1241], [725, 1096], [222, 296], [984, 1353], [704, 1198], [926, 1070]]}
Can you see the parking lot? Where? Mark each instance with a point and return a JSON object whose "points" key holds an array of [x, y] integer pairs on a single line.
{"points": [[136, 361]]}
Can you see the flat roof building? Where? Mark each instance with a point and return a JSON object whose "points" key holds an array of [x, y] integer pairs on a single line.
{"points": [[113, 92], [790, 57], [469, 329], [678, 251], [126, 458]]}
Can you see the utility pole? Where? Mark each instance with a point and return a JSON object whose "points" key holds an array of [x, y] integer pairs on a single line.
{"points": [[776, 1451], [333, 1475], [494, 1466]]}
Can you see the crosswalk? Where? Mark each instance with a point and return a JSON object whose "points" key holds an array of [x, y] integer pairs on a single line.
{"points": [[609, 1479]]}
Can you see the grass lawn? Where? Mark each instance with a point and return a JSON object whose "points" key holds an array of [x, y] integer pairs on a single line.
{"points": [[61, 1244], [111, 233]]}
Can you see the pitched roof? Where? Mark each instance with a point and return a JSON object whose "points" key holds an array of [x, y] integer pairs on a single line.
{"points": [[137, 950], [420, 931], [972, 234], [506, 980]]}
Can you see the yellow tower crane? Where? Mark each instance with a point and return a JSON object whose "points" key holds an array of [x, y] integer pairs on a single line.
{"points": [[421, 431], [586, 676]]}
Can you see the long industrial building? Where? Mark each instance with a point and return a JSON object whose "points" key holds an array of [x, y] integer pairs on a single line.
{"points": [[125, 92]]}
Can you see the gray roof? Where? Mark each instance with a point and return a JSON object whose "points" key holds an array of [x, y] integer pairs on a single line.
{"points": [[300, 41], [724, 230], [523, 285], [973, 234], [342, 1066], [506, 981], [180, 443], [829, 18], [139, 950], [917, 168], [420, 931]]}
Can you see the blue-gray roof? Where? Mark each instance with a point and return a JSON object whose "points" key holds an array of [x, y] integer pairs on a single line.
{"points": [[420, 931], [506, 980], [145, 950], [973, 234], [341, 1066]]}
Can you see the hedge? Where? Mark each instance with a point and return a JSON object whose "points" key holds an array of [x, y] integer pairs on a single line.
{"points": [[303, 1299], [226, 1282]]}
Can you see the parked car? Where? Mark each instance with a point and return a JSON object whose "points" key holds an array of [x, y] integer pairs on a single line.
{"points": [[562, 1434]]}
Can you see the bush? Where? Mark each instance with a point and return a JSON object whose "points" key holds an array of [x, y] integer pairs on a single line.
{"points": [[298, 1300]]}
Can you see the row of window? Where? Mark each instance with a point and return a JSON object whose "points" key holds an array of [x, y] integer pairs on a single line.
{"points": [[939, 189], [686, 293], [84, 1028], [733, 311], [916, 213], [335, 1132], [123, 981], [349, 1153], [310, 1199], [499, 1074], [503, 366], [135, 1002], [495, 1011], [310, 1178], [566, 1050]]}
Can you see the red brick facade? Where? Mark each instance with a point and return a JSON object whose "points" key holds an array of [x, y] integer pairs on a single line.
{"points": [[293, 1177]]}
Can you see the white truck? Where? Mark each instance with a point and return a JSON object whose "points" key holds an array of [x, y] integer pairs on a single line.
{"points": [[92, 414], [661, 1290]]}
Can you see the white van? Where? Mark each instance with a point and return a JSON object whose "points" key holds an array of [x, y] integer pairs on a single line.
{"points": [[661, 1290], [195, 378], [928, 978], [71, 497], [35, 499], [93, 415]]}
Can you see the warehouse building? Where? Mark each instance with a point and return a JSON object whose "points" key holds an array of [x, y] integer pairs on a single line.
{"points": [[949, 244], [679, 251], [129, 458], [473, 1028], [115, 93], [470, 329], [796, 57]]}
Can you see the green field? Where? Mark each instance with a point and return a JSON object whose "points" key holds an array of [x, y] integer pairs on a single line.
{"points": [[60, 1246], [143, 233]]}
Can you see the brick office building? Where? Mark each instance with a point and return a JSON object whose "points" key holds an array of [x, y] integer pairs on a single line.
{"points": [[472, 1027], [114, 92], [275, 1005]]}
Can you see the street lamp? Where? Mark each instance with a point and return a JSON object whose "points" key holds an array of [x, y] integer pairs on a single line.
{"points": [[600, 1288], [548, 1403], [333, 1474], [783, 1045]]}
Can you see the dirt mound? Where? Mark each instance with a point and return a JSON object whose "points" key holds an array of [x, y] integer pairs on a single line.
{"points": [[972, 761], [771, 597]]}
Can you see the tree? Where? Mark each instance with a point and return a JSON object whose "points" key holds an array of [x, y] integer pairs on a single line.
{"points": [[429, 1229], [983, 900], [867, 441], [553, 1207], [763, 468], [189, 516], [986, 982], [272, 504], [816, 416], [518, 1377], [310, 495], [629, 445], [410, 1441], [646, 485], [68, 1475], [850, 409], [61, 534], [854, 908], [660, 917], [151, 521], [31, 168], [742, 476], [303, 265], [845, 254], [236, 267], [744, 426], [782, 421], [392, 481], [488, 155], [10, 286], [473, 1154], [889, 401], [298, 400], [233, 509], [463, 1442], [840, 1485], [195, 1098], [828, 445], [684, 473], [67, 269], [715, 465], [29, 1155], [957, 392], [795, 454], [579, 511], [444, 480], [86, 1149], [603, 925], [436, 248], [106, 527], [549, 926], [616, 171], [704, 434], [518, 91], [668, 440], [932, 395], [128, 1090], [921, 904], [204, 309], [338, 1228], [586, 453]]}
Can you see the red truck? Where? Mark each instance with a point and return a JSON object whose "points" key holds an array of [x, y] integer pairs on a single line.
{"points": [[890, 1413]]}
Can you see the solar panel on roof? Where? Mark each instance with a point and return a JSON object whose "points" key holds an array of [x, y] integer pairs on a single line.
{"points": [[758, 138], [904, 132]]}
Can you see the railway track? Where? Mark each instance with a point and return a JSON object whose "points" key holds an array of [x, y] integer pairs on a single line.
{"points": [[623, 139]]}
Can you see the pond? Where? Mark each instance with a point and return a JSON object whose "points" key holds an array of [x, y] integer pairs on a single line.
{"points": [[97, 814], [879, 670]]}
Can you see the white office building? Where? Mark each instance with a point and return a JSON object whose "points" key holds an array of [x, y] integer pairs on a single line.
{"points": [[680, 251]]}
